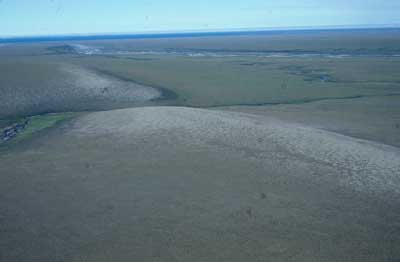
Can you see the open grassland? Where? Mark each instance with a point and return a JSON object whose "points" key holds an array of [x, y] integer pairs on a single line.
{"points": [[173, 183], [38, 78], [370, 118], [71, 83], [211, 81], [53, 77], [296, 158]]}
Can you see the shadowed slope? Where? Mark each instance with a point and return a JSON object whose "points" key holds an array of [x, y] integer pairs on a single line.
{"points": [[36, 88]]}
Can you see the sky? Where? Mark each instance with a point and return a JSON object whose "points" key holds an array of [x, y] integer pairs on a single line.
{"points": [[60, 17]]}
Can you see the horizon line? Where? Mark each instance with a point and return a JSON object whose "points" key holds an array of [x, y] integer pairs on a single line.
{"points": [[184, 33]]}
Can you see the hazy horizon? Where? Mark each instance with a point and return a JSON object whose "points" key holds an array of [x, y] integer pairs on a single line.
{"points": [[57, 17], [203, 32]]}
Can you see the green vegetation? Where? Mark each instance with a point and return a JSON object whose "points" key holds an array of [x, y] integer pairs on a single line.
{"points": [[218, 81], [185, 184], [38, 123], [41, 122], [203, 81]]}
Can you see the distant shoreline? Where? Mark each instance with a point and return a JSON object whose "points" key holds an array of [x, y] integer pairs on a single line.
{"points": [[122, 36]]}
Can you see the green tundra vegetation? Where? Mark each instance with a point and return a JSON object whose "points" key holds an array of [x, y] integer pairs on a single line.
{"points": [[210, 81]]}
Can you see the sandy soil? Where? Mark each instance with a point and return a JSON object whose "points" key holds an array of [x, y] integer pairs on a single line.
{"points": [[180, 184]]}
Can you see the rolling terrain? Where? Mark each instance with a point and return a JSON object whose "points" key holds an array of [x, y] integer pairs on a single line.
{"points": [[281, 146], [178, 184]]}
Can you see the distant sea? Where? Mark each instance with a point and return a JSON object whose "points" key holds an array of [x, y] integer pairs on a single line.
{"points": [[177, 35]]}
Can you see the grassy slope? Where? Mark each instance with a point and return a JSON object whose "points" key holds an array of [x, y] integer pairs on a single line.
{"points": [[39, 123], [251, 80], [373, 118], [179, 184]]}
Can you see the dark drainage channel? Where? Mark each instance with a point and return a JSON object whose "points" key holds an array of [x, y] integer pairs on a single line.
{"points": [[12, 131]]}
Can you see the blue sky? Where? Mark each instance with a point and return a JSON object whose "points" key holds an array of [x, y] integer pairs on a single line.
{"points": [[50, 17]]}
